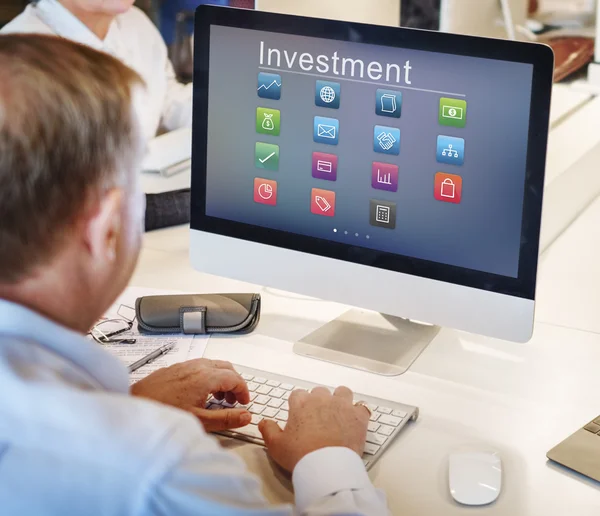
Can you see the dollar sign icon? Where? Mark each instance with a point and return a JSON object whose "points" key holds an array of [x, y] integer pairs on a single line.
{"points": [[452, 112]]}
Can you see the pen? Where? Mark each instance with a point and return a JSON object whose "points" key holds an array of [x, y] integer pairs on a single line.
{"points": [[163, 350]]}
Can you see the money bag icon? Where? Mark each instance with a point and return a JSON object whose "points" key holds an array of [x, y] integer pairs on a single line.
{"points": [[267, 123]]}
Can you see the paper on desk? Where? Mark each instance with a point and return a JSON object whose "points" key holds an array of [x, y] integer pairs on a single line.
{"points": [[185, 348]]}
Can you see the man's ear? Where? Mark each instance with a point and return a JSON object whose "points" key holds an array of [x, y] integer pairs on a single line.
{"points": [[104, 226]]}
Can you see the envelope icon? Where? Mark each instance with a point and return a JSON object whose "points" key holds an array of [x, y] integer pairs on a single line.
{"points": [[326, 131]]}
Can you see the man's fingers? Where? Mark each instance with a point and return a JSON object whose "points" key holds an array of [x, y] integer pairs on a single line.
{"points": [[226, 419], [231, 382], [343, 392], [322, 392], [297, 398], [222, 364], [270, 431], [230, 398]]}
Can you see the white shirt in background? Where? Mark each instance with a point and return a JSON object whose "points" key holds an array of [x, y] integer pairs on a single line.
{"points": [[133, 39]]}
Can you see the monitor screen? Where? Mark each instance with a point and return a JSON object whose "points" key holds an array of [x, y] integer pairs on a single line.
{"points": [[414, 153]]}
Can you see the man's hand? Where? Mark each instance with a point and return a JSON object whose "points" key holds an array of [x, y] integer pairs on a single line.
{"points": [[188, 386], [317, 420]]}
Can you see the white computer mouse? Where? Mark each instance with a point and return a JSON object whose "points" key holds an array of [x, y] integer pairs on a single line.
{"points": [[475, 478]]}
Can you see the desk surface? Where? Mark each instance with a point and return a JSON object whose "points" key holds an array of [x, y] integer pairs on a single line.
{"points": [[520, 399]]}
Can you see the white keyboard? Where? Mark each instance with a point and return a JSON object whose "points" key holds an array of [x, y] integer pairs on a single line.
{"points": [[269, 394]]}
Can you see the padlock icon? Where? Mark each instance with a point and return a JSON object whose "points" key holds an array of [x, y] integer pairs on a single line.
{"points": [[448, 188], [267, 123]]}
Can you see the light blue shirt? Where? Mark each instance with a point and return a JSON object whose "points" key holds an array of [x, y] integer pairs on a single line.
{"points": [[74, 442]]}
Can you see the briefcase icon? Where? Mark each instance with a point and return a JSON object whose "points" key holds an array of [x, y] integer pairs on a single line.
{"points": [[448, 188]]}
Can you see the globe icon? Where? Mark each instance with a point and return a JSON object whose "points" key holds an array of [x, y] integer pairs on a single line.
{"points": [[327, 94]]}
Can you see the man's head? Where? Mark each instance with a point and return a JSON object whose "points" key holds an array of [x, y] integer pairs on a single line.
{"points": [[70, 149]]}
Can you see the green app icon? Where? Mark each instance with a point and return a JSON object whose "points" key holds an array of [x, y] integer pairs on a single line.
{"points": [[453, 112], [266, 156], [268, 121]]}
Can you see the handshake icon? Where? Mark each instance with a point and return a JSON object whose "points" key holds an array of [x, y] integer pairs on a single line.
{"points": [[386, 140]]}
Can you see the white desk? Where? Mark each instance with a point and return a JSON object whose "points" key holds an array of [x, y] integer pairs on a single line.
{"points": [[519, 399]]}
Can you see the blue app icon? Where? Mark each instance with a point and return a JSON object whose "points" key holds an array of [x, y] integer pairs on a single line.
{"points": [[450, 150], [388, 103], [386, 140], [327, 94], [326, 130], [269, 85]]}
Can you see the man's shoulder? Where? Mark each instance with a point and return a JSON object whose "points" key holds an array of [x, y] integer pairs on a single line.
{"points": [[27, 22]]}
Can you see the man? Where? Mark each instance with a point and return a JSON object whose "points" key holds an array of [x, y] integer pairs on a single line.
{"points": [[73, 439]]}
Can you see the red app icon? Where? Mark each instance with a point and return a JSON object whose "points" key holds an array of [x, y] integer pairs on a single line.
{"points": [[265, 191], [322, 202], [448, 187]]}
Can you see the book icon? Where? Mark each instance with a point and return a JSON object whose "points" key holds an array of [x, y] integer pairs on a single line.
{"points": [[388, 103]]}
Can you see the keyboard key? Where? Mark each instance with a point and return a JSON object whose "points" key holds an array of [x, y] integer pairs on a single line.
{"points": [[247, 376], [371, 449], [275, 403], [260, 379], [225, 404], [270, 412], [597, 420], [372, 408], [250, 431], [389, 420], [282, 415], [375, 416], [273, 383], [256, 409], [376, 438], [592, 427], [261, 399], [282, 424], [386, 430], [287, 387], [285, 406], [256, 419], [277, 393], [252, 386], [399, 413], [253, 396], [287, 395], [384, 410], [264, 389], [373, 427]]}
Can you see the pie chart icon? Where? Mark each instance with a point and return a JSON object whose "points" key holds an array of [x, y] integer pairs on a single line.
{"points": [[265, 191]]}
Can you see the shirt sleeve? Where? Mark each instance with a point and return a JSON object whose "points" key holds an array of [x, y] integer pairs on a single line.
{"points": [[207, 480], [177, 111]]}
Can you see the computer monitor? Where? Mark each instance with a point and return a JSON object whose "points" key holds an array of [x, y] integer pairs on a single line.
{"points": [[398, 171]]}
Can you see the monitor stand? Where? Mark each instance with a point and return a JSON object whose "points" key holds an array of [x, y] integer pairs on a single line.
{"points": [[370, 341]]}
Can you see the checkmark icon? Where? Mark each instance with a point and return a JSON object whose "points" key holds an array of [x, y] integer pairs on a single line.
{"points": [[266, 156]]}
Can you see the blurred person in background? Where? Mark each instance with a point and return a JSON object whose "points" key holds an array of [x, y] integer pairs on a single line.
{"points": [[124, 31], [118, 28]]}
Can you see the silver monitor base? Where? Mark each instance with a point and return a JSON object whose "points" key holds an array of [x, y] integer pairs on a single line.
{"points": [[369, 341]]}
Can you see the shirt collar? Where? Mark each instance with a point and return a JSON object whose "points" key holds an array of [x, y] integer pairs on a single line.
{"points": [[84, 354], [65, 24]]}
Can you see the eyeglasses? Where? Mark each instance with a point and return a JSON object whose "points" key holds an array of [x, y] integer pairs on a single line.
{"points": [[107, 331]]}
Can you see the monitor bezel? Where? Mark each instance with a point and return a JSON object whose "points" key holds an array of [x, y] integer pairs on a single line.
{"points": [[540, 56]]}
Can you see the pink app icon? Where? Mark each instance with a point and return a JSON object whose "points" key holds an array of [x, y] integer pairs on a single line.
{"points": [[384, 176], [265, 191], [324, 166]]}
